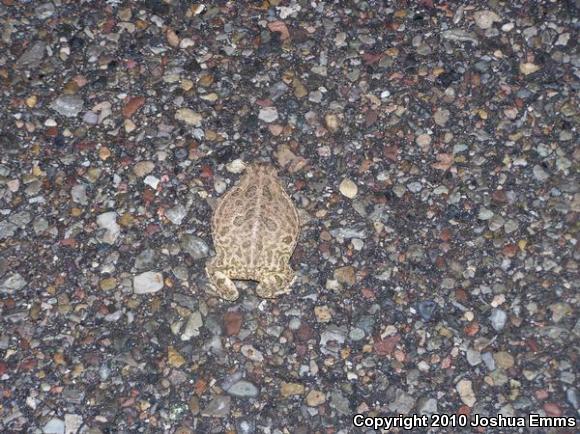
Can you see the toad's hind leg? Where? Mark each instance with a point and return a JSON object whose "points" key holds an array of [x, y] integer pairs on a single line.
{"points": [[221, 283], [275, 283]]}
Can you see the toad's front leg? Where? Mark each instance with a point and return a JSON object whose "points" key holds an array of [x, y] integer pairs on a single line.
{"points": [[276, 283], [221, 282]]}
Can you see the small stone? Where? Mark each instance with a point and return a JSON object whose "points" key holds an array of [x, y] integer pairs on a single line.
{"points": [[540, 174], [152, 181], [268, 114], [219, 406], [322, 313], [237, 166], [176, 214], [108, 222], [291, 389], [441, 117], [72, 423], [243, 389], [403, 403], [473, 357], [348, 188], [252, 353], [91, 118], [415, 187], [232, 323], [143, 168], [7, 229], [560, 311], [485, 214], [148, 282], [427, 309], [174, 358], [194, 405], [33, 55], [172, 38], [331, 121], [192, 327], [68, 105], [423, 140], [54, 426], [108, 284], [129, 125], [314, 398], [44, 11], [465, 390], [427, 406], [189, 117], [529, 68], [485, 19], [503, 359], [31, 101], [195, 246], [498, 319], [131, 106], [345, 275], [11, 283]]}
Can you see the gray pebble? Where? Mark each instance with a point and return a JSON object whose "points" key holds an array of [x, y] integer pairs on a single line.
{"points": [[176, 214], [195, 246], [219, 406], [243, 389], [68, 105], [498, 319]]}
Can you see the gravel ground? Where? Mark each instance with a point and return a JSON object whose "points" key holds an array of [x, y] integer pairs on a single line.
{"points": [[430, 147]]}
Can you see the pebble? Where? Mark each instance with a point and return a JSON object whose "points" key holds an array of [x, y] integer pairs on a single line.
{"points": [[415, 187], [176, 214], [219, 406], [331, 121], [195, 246], [148, 282], [423, 140], [540, 174], [403, 403], [54, 426], [348, 188], [193, 326], [427, 309], [143, 168], [79, 194], [7, 229], [473, 357], [268, 114], [243, 389], [485, 19], [33, 55], [504, 360], [529, 68], [485, 214], [108, 222], [68, 105], [314, 398], [465, 390], [252, 353], [44, 11], [291, 389], [427, 406], [441, 117], [11, 283], [189, 117], [73, 423], [498, 319]]}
